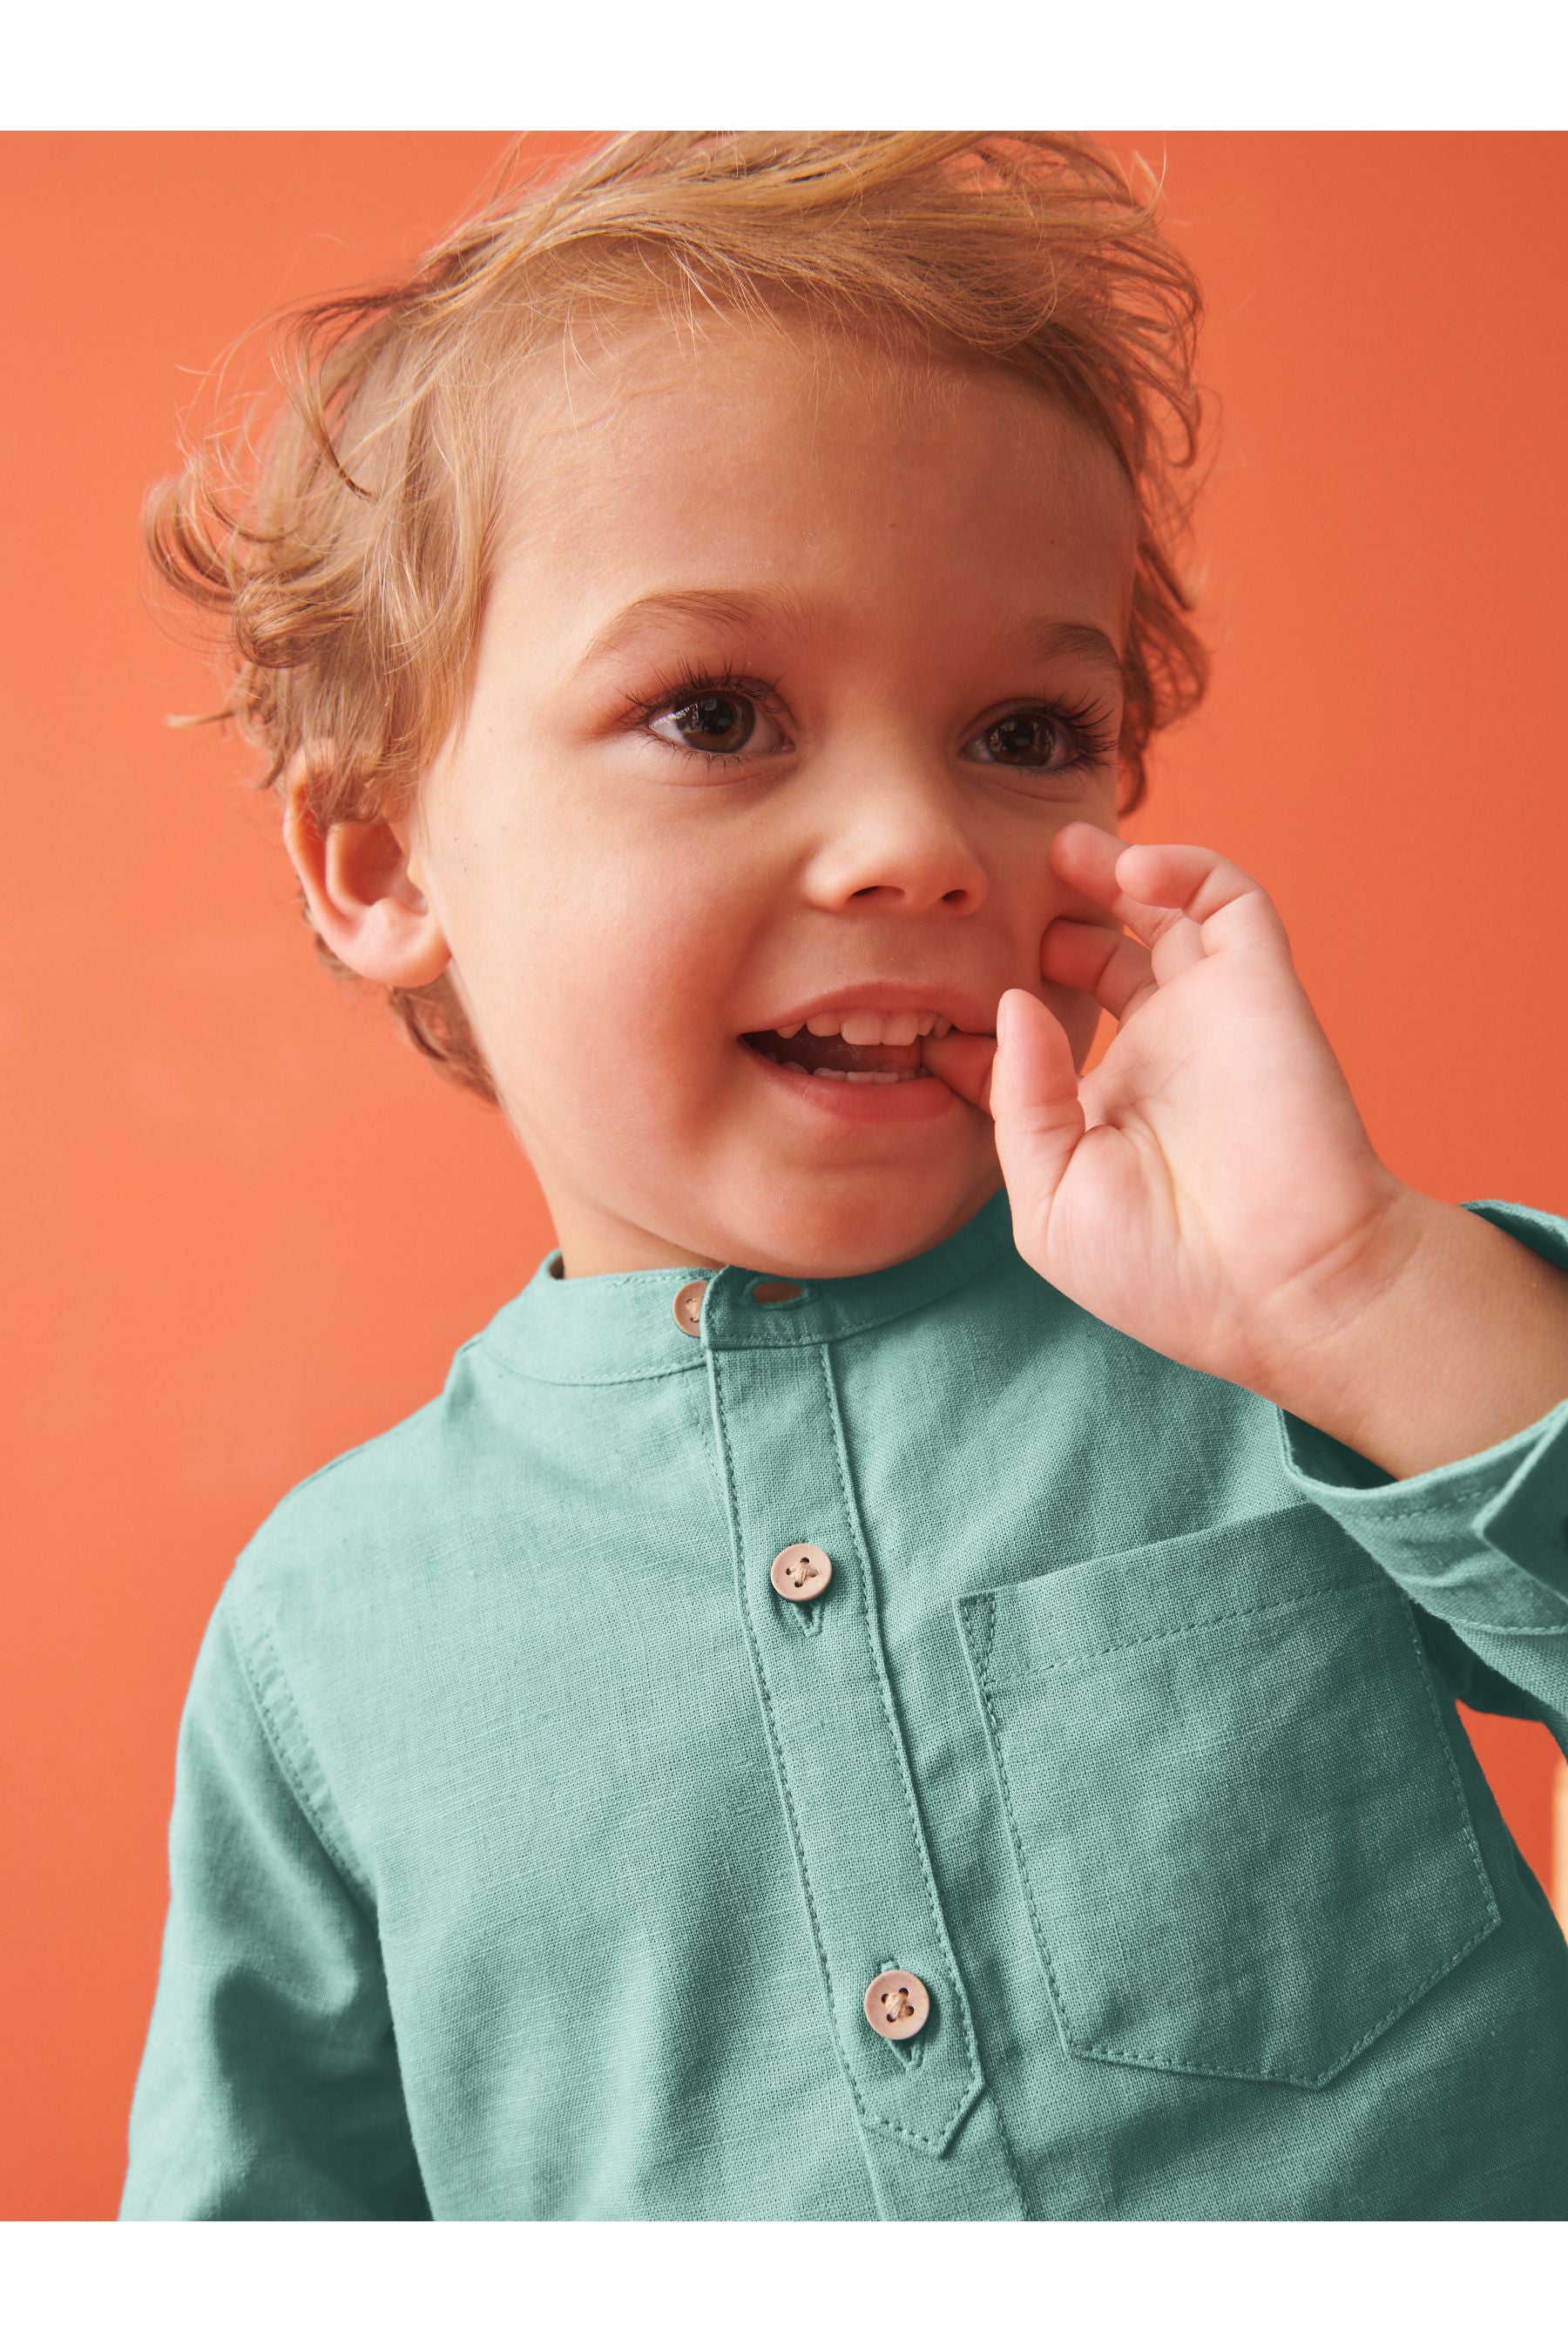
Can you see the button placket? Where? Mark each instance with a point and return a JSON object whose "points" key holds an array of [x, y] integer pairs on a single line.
{"points": [[843, 1777]]}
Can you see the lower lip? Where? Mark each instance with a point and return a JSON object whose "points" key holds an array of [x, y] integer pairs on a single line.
{"points": [[879, 1106]]}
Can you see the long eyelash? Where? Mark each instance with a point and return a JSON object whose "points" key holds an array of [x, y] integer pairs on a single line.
{"points": [[1084, 722], [687, 685]]}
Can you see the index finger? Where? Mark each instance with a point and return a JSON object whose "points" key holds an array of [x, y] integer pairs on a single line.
{"points": [[1196, 899]]}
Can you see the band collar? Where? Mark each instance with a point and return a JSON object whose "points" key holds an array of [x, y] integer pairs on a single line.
{"points": [[624, 1326]]}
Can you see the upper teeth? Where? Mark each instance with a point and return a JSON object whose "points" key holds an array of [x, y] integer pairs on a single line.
{"points": [[863, 1025]]}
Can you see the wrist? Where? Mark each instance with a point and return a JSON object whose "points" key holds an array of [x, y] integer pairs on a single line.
{"points": [[1341, 1328], [1453, 1338]]}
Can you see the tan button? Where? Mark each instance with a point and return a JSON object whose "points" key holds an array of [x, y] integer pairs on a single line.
{"points": [[688, 1304], [775, 1294], [801, 1571], [897, 2004]]}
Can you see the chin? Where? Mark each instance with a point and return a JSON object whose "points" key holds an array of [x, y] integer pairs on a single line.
{"points": [[859, 1236]]}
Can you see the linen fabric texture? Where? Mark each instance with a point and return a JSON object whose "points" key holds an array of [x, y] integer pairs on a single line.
{"points": [[530, 1855]]}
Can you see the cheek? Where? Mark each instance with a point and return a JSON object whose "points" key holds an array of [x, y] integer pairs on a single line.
{"points": [[666, 914], [617, 981]]}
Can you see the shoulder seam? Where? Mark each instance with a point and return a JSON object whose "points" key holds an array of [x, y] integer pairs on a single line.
{"points": [[349, 1452]]}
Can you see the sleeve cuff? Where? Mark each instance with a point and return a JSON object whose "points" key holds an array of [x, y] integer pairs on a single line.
{"points": [[1483, 1542]]}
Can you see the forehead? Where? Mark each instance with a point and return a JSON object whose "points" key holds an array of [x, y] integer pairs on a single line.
{"points": [[653, 445]]}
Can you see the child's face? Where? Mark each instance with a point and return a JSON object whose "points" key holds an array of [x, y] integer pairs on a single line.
{"points": [[623, 907]]}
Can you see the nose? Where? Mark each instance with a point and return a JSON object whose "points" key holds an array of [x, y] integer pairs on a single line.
{"points": [[895, 831]]}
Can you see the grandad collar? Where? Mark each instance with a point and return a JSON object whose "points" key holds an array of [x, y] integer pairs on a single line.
{"points": [[600, 1328]]}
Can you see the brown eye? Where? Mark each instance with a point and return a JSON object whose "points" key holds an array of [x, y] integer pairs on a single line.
{"points": [[1027, 737], [714, 716], [720, 724]]}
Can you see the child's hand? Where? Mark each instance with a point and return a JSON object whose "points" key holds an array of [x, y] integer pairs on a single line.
{"points": [[1208, 1188]]}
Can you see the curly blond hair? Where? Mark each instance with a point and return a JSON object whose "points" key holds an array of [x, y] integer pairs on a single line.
{"points": [[347, 550]]}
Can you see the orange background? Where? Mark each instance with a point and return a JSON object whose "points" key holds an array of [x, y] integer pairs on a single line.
{"points": [[246, 1226]]}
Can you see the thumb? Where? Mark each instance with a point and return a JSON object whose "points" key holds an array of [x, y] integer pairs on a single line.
{"points": [[962, 1061], [1035, 1103]]}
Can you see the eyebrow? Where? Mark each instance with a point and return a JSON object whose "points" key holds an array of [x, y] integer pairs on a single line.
{"points": [[737, 608]]}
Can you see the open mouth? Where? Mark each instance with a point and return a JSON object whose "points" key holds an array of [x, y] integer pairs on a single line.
{"points": [[834, 1058]]}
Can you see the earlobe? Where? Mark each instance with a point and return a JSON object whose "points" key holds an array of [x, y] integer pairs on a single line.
{"points": [[363, 899]]}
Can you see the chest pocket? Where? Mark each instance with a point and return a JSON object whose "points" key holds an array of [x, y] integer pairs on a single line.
{"points": [[1243, 1840]]}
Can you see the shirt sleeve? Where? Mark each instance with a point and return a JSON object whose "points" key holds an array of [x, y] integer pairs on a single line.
{"points": [[269, 2087], [1480, 1545]]}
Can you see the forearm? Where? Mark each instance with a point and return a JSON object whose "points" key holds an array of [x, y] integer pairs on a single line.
{"points": [[1454, 1339]]}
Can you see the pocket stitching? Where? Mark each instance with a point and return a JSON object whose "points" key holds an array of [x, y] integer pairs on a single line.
{"points": [[1186, 1625], [1423, 1666], [1304, 2082], [1186, 2067], [1041, 1946]]}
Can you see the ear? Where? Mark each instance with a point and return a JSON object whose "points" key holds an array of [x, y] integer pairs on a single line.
{"points": [[363, 897]]}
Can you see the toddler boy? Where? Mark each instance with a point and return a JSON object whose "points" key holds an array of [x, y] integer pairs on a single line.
{"points": [[909, 1671]]}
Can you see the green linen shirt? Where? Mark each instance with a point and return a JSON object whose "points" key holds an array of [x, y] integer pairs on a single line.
{"points": [[531, 1856]]}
